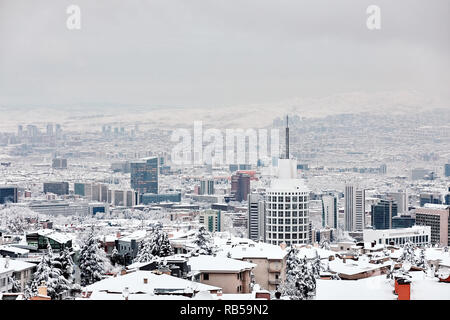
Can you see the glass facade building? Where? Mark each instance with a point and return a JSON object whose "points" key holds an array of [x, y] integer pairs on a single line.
{"points": [[144, 175]]}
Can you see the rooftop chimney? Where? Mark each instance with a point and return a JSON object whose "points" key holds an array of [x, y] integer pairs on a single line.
{"points": [[42, 289]]}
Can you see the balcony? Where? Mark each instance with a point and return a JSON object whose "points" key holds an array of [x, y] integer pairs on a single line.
{"points": [[275, 281]]}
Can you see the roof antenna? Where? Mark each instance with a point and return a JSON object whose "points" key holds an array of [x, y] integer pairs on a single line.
{"points": [[287, 137]]}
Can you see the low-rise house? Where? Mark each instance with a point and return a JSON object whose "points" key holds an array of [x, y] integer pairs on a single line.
{"points": [[128, 246], [20, 270], [270, 262], [146, 284], [13, 252], [233, 276], [39, 239]]}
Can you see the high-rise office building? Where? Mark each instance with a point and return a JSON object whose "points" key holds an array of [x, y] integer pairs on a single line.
{"points": [[206, 187], [240, 186], [329, 211], [382, 214], [419, 173], [59, 188], [59, 163], [211, 220], [438, 218], [403, 221], [401, 198], [430, 197], [447, 170], [50, 129], [8, 194], [256, 217], [144, 175], [287, 205], [354, 211]]}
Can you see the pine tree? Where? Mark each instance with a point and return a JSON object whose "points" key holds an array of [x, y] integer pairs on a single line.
{"points": [[145, 251], [408, 254], [161, 244], [91, 262], [115, 256], [300, 282], [421, 261], [16, 287], [316, 266], [203, 242], [65, 263], [325, 245], [47, 273]]}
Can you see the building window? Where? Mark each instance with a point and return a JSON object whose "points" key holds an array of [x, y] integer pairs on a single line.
{"points": [[206, 276]]}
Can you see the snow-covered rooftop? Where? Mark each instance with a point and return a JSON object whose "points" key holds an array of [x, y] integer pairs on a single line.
{"points": [[218, 264], [14, 265], [135, 283]]}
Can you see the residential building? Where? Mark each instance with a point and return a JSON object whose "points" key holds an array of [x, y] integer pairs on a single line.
{"points": [[233, 276], [270, 260], [211, 220]]}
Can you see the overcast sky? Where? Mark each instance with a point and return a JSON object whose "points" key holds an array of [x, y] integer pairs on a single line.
{"points": [[218, 52]]}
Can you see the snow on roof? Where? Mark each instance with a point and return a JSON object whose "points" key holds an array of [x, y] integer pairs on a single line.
{"points": [[15, 250], [137, 235], [52, 234], [310, 253], [15, 265], [352, 267], [381, 288], [101, 295], [437, 254], [218, 264], [258, 250], [373, 288], [135, 283], [294, 185]]}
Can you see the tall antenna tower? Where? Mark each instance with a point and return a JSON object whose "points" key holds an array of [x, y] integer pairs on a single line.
{"points": [[287, 137]]}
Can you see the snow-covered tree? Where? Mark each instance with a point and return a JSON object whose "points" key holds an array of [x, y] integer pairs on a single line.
{"points": [[408, 254], [47, 273], [16, 220], [161, 244], [421, 261], [64, 262], [115, 257], [203, 242], [16, 287], [92, 261], [325, 245], [300, 282], [317, 266], [145, 251], [156, 245]]}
